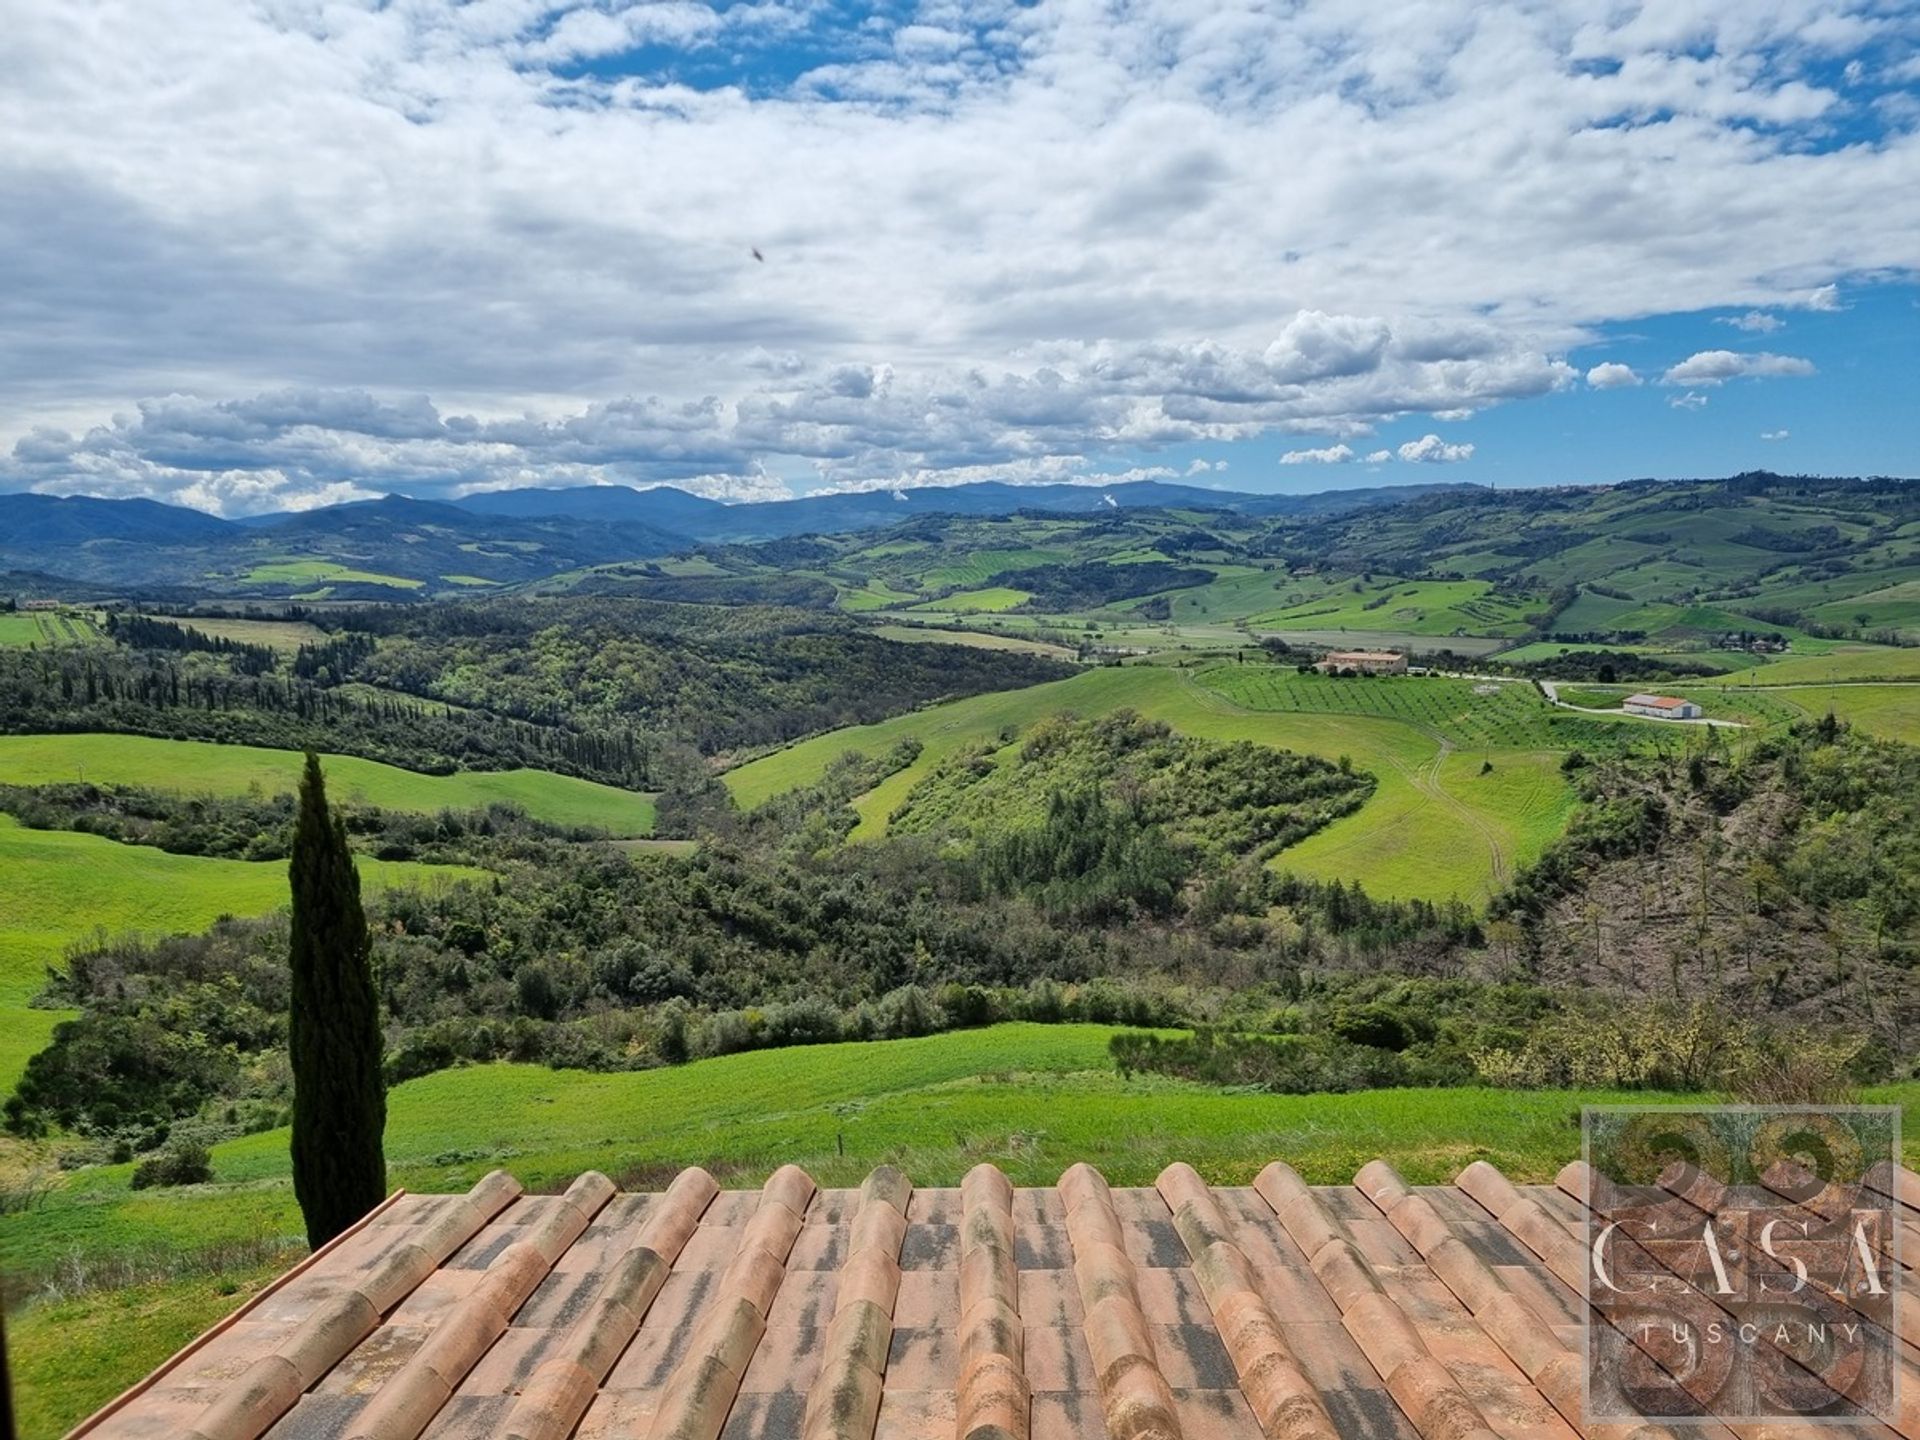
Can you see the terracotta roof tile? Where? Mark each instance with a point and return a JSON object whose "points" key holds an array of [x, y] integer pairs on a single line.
{"points": [[1279, 1311]]}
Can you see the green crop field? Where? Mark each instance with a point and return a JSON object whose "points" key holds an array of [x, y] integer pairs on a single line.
{"points": [[977, 567], [1031, 1099], [1842, 662], [974, 639], [1891, 712], [282, 572], [61, 887], [1413, 607], [202, 767], [1237, 593], [1436, 827], [1466, 713], [878, 595], [993, 599], [285, 635], [17, 632], [49, 629]]}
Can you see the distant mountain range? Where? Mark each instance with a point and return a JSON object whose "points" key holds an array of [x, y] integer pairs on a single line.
{"points": [[397, 547]]}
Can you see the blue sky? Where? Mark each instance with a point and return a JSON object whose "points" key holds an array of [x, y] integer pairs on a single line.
{"points": [[272, 255], [1857, 414]]}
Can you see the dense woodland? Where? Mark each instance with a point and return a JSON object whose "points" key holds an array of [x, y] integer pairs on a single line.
{"points": [[628, 693]]}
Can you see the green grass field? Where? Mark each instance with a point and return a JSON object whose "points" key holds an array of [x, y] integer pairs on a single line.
{"points": [[991, 600], [1891, 712], [1842, 662], [49, 629], [974, 639], [201, 767], [1436, 826], [1413, 607], [977, 567], [61, 887], [1030, 1099], [286, 635], [303, 572]]}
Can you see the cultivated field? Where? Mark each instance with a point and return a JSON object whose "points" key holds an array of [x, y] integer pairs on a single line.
{"points": [[322, 572], [1030, 1099], [285, 635], [1415, 607], [988, 601], [49, 629], [942, 635], [202, 767], [1841, 663]]}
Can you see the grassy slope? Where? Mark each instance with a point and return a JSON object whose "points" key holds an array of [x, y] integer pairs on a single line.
{"points": [[1435, 828], [58, 887], [1850, 662], [1031, 1099], [200, 767], [973, 639], [280, 571], [1891, 712]]}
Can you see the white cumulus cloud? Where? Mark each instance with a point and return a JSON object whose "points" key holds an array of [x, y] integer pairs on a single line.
{"points": [[1611, 375], [1432, 450], [1754, 322], [1331, 455], [250, 246], [1716, 367]]}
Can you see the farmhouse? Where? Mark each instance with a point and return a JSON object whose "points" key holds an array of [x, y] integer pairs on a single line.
{"points": [[1057, 1312], [1366, 662], [1660, 707], [40, 605]]}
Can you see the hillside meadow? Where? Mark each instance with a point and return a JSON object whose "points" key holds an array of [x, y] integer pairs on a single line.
{"points": [[202, 767], [1031, 1099], [63, 887], [1439, 825]]}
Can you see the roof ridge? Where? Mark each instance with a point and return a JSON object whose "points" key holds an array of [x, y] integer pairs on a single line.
{"points": [[1423, 1387], [1279, 1394], [1137, 1398], [246, 1407], [697, 1399], [417, 1392], [844, 1401], [993, 1399], [559, 1392]]}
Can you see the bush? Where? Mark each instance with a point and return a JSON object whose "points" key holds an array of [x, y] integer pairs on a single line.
{"points": [[187, 1163]]}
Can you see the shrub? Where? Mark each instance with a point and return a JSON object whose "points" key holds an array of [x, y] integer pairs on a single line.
{"points": [[187, 1163]]}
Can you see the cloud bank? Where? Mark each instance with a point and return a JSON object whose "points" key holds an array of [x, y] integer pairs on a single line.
{"points": [[268, 254]]}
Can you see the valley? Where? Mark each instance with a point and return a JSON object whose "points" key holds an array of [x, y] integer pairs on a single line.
{"points": [[837, 837]]}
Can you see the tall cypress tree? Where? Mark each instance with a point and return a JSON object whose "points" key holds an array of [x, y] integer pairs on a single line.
{"points": [[333, 1030]]}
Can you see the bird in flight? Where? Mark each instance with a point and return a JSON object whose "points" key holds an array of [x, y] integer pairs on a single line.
{"points": [[757, 255]]}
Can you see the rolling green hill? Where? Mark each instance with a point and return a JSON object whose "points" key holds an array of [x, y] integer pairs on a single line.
{"points": [[200, 767], [1436, 827], [62, 887]]}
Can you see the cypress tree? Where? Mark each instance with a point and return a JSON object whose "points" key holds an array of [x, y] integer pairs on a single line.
{"points": [[333, 1029]]}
